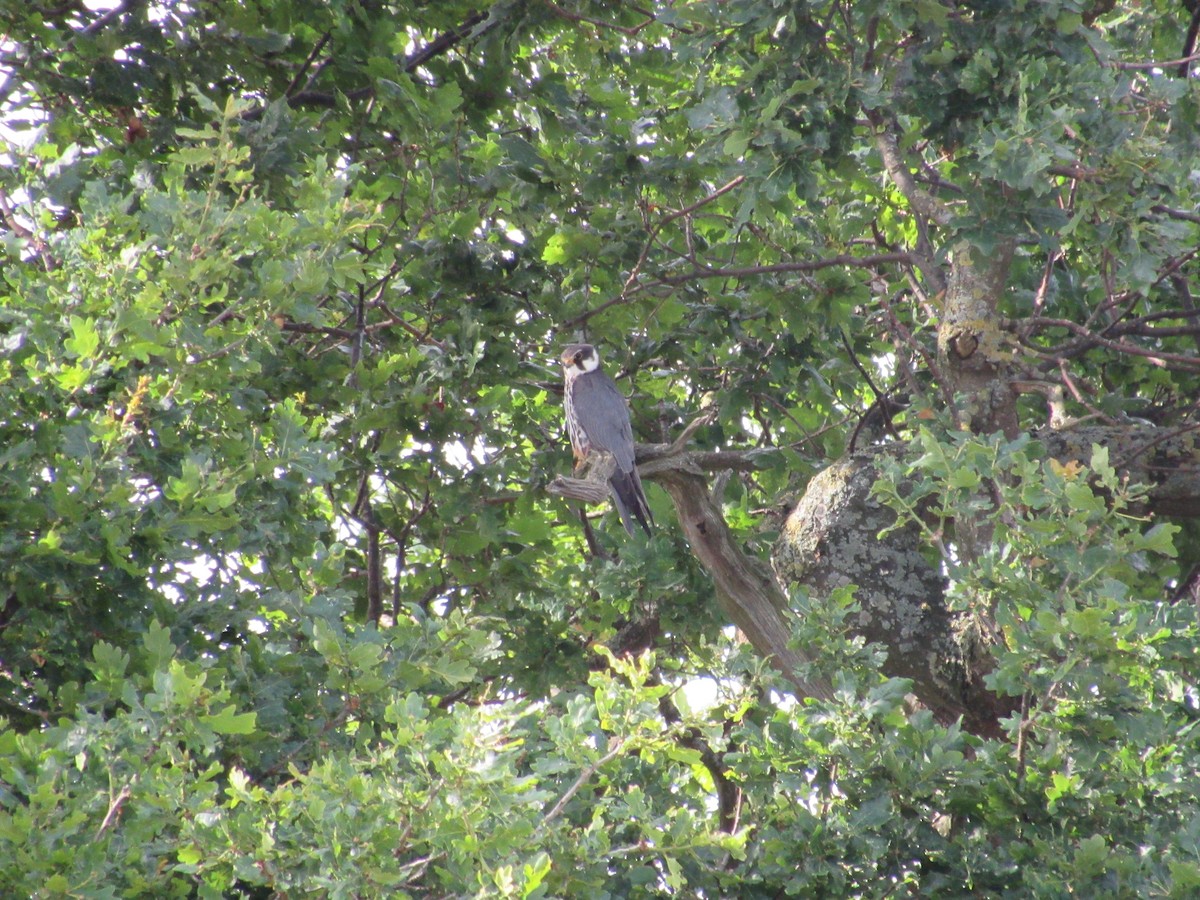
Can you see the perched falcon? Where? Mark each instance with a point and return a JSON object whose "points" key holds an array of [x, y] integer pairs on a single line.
{"points": [[597, 418]]}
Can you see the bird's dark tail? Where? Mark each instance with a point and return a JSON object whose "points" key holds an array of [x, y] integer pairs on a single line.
{"points": [[630, 500]]}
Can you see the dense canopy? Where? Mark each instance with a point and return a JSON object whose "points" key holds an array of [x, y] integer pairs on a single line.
{"points": [[301, 596]]}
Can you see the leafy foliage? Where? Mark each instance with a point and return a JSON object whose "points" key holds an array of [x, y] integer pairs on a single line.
{"points": [[285, 606]]}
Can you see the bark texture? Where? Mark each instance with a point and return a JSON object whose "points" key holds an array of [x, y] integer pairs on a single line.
{"points": [[972, 350], [831, 539]]}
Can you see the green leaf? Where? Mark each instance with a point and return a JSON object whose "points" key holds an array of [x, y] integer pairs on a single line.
{"points": [[227, 721], [84, 340], [1160, 539], [1091, 856], [159, 646]]}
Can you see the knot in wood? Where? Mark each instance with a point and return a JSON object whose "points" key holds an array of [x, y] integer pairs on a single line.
{"points": [[964, 344]]}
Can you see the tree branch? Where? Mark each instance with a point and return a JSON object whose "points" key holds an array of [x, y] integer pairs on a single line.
{"points": [[1182, 62], [1089, 339], [439, 45], [746, 589], [615, 747], [889, 151], [444, 42], [843, 259], [629, 31], [114, 809]]}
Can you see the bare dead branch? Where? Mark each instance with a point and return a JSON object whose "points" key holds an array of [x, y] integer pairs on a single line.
{"points": [[681, 442], [583, 489], [746, 588]]}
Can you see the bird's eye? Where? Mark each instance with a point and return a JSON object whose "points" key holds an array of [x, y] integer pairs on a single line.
{"points": [[579, 357]]}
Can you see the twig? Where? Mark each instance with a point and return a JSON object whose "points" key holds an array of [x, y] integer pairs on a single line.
{"points": [[114, 809], [692, 427], [704, 201], [700, 272], [910, 339], [1182, 61], [628, 289], [843, 259], [615, 745], [627, 30], [307, 64], [1164, 360]]}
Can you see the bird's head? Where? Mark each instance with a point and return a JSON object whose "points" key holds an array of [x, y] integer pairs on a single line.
{"points": [[581, 358]]}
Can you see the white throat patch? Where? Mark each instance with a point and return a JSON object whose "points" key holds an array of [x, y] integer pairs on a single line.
{"points": [[590, 363]]}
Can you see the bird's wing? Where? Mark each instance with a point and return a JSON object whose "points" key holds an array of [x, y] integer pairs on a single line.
{"points": [[604, 417]]}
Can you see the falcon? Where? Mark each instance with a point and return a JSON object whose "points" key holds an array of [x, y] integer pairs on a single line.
{"points": [[598, 419]]}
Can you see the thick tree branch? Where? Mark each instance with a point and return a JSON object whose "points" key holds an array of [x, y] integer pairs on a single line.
{"points": [[831, 540], [746, 589]]}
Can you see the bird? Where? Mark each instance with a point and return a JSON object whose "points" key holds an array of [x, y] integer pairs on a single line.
{"points": [[598, 419]]}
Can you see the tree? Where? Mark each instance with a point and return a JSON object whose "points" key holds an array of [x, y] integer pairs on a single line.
{"points": [[298, 597]]}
